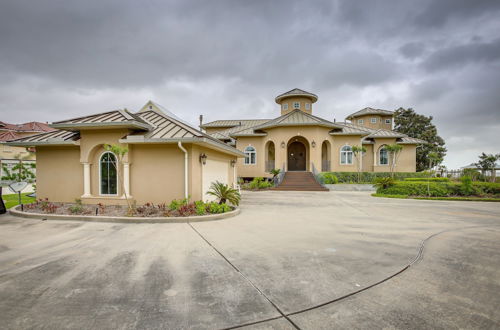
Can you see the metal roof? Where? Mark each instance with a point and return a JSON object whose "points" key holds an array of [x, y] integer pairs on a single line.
{"points": [[297, 118], [166, 127], [370, 111], [410, 140], [115, 118], [235, 122], [50, 138], [296, 92]]}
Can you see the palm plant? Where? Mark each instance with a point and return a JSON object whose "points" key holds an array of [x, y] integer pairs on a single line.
{"points": [[358, 154], [394, 150], [224, 193], [275, 172]]}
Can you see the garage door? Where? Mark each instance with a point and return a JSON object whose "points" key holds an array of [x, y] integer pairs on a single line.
{"points": [[213, 171]]}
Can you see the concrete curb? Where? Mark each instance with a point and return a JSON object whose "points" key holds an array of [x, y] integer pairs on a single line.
{"points": [[92, 218]]}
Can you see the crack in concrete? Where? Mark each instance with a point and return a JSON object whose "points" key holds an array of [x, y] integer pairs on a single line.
{"points": [[415, 260]]}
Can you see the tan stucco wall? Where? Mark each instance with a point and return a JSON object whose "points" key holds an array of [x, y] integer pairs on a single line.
{"points": [[290, 100], [380, 124], [406, 161], [59, 173], [157, 173]]}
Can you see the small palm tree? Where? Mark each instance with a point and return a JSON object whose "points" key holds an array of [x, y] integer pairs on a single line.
{"points": [[224, 193], [275, 172], [358, 154], [394, 151]]}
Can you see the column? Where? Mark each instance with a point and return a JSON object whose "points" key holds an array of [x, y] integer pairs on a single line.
{"points": [[126, 178], [374, 157], [86, 180]]}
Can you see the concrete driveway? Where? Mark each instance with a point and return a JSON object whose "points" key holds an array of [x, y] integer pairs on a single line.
{"points": [[307, 260]]}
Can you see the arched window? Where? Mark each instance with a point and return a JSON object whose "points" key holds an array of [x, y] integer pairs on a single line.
{"points": [[346, 155], [383, 156], [108, 174], [250, 156]]}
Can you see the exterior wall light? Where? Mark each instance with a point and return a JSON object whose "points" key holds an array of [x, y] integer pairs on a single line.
{"points": [[283, 144], [233, 163], [203, 159], [313, 144]]}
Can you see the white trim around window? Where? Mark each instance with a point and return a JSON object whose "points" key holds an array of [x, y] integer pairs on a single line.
{"points": [[296, 105], [308, 106], [361, 121], [250, 156], [100, 173], [388, 121], [373, 120], [346, 155], [284, 106]]}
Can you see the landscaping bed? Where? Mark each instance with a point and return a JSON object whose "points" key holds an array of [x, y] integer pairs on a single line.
{"points": [[176, 208], [442, 189]]}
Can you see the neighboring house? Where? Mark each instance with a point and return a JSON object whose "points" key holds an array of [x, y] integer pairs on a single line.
{"points": [[300, 141], [10, 132], [167, 158]]}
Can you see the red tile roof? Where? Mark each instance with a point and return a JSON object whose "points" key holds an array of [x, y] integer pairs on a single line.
{"points": [[33, 126], [8, 135]]}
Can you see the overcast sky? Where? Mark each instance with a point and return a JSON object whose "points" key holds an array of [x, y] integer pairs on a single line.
{"points": [[229, 59]]}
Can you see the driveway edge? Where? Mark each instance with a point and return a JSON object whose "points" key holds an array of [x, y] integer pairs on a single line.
{"points": [[91, 218]]}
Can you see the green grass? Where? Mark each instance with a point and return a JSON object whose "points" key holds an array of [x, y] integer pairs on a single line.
{"points": [[13, 200], [467, 199]]}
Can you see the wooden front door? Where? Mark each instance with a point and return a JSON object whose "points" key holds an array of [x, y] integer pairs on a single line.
{"points": [[297, 156]]}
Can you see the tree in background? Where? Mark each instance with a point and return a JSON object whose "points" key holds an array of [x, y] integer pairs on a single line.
{"points": [[357, 152], [408, 122], [19, 172], [394, 151], [487, 163]]}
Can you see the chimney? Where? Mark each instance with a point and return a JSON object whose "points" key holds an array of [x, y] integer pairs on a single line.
{"points": [[201, 121]]}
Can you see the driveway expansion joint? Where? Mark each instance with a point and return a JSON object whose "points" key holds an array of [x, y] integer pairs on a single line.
{"points": [[250, 282]]}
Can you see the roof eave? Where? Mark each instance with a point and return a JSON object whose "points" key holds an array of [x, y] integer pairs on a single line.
{"points": [[42, 143], [84, 126], [200, 140]]}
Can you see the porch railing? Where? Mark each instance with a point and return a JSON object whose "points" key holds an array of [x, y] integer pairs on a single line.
{"points": [[279, 178]]}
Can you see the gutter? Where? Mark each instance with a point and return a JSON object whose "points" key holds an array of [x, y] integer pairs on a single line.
{"points": [[42, 143], [186, 192]]}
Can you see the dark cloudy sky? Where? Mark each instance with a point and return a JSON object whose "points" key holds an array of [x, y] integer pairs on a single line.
{"points": [[229, 59]]}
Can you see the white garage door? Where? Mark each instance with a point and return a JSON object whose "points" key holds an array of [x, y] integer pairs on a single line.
{"points": [[213, 171]]}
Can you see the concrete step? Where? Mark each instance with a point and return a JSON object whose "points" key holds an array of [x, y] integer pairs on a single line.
{"points": [[300, 181]]}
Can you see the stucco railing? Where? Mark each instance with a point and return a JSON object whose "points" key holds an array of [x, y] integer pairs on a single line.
{"points": [[279, 178], [315, 174]]}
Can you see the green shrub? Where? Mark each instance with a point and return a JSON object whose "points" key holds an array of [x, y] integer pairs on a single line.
{"points": [[215, 207], [490, 188], [436, 189], [369, 177], [200, 207], [384, 183], [330, 178], [176, 204], [77, 208], [466, 187], [428, 179], [259, 183]]}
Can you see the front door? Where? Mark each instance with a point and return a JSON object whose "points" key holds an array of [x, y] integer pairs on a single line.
{"points": [[296, 156]]}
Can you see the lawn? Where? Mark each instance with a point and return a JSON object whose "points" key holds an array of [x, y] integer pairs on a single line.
{"points": [[450, 198], [13, 200]]}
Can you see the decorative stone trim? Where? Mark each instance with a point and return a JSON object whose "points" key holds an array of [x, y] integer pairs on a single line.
{"points": [[92, 218]]}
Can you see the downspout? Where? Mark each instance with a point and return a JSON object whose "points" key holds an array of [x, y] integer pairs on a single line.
{"points": [[186, 192]]}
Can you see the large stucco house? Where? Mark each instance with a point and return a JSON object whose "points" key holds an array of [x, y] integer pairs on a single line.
{"points": [[167, 159], [299, 141]]}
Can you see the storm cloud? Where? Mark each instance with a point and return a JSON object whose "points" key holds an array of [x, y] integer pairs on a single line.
{"points": [[229, 59]]}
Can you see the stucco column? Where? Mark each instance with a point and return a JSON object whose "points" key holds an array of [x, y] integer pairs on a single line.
{"points": [[374, 157], [86, 180], [126, 178]]}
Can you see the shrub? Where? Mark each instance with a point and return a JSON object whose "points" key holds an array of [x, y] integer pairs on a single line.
{"points": [[466, 187], [428, 179], [329, 178], [176, 204], [259, 183], [224, 193], [436, 189], [214, 207], [369, 177], [384, 183], [77, 208], [200, 207], [187, 210]]}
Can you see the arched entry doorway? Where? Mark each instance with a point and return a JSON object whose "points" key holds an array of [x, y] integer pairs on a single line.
{"points": [[297, 153]]}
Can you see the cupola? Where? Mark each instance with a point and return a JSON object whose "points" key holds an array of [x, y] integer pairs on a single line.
{"points": [[296, 99]]}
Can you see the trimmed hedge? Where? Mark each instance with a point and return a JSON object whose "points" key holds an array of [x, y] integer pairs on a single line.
{"points": [[369, 177], [428, 179], [439, 189]]}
